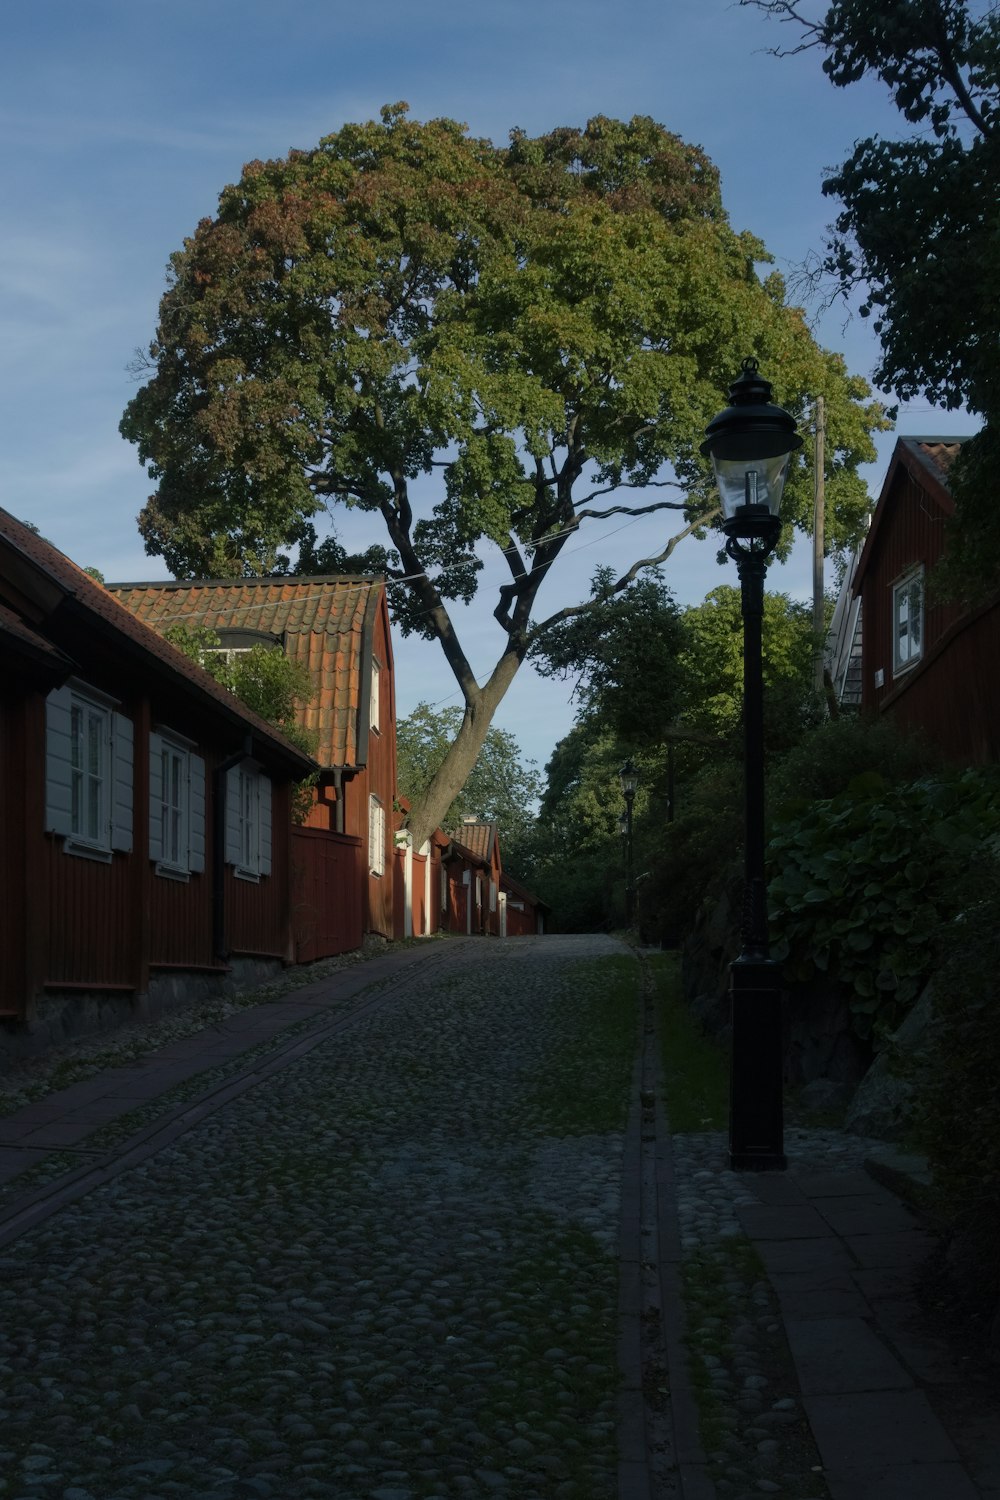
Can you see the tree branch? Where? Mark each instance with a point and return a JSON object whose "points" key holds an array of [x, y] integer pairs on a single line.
{"points": [[573, 610]]}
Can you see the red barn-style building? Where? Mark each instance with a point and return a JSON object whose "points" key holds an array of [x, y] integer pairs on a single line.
{"points": [[145, 814], [932, 665]]}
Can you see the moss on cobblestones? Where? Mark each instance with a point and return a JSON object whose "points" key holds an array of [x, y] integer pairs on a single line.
{"points": [[752, 1427], [695, 1069]]}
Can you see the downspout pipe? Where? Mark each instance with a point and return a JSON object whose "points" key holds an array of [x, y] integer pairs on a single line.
{"points": [[338, 806], [219, 786]]}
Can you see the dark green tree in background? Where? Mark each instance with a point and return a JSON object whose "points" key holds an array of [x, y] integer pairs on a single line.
{"points": [[477, 347], [918, 235]]}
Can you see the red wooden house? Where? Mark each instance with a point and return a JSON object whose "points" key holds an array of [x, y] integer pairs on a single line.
{"points": [[523, 913], [930, 664], [338, 628], [474, 879], [144, 812]]}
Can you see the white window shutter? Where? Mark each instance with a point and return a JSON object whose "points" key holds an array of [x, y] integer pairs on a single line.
{"points": [[122, 760], [233, 851], [196, 785], [155, 797], [58, 763], [265, 825]]}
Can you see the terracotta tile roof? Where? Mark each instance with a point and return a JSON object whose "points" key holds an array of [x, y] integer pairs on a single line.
{"points": [[321, 622], [936, 454], [73, 583], [478, 838]]}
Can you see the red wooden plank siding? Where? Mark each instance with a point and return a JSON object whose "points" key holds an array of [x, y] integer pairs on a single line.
{"points": [[419, 894], [258, 913], [89, 906], [327, 888]]}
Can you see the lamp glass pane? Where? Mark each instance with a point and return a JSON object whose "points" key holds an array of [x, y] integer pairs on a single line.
{"points": [[755, 481]]}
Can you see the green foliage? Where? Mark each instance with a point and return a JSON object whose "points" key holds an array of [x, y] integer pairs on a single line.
{"points": [[864, 880], [958, 1098], [712, 662], [624, 653], [267, 681], [404, 292], [917, 229], [523, 330], [837, 752], [577, 855], [501, 788]]}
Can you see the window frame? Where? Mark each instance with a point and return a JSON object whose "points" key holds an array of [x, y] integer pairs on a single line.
{"points": [[376, 836], [908, 586], [373, 696], [89, 763], [249, 823], [176, 860]]}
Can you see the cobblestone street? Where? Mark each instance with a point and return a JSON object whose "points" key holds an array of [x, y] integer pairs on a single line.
{"points": [[387, 1271]]}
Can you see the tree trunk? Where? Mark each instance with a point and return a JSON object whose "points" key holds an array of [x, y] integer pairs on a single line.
{"points": [[426, 814]]}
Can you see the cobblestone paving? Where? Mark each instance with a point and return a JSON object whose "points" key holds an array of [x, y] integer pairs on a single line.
{"points": [[388, 1272]]}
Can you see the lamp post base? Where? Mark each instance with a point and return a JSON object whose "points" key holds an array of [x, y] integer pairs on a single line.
{"points": [[756, 1121]]}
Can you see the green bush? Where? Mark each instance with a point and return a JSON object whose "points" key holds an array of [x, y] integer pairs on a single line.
{"points": [[864, 880], [959, 1099], [828, 759]]}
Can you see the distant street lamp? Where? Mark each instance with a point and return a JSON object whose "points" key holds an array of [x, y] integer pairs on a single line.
{"points": [[750, 445], [629, 778]]}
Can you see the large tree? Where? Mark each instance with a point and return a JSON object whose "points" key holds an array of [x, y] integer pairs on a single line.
{"points": [[483, 347], [918, 235]]}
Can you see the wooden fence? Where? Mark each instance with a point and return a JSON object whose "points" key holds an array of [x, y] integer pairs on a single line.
{"points": [[328, 875]]}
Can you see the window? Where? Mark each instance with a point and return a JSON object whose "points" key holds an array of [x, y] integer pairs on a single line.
{"points": [[908, 620], [88, 772], [176, 806], [248, 822], [373, 717], [90, 756], [376, 836], [493, 895]]}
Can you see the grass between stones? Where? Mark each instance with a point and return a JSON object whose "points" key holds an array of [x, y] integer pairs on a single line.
{"points": [[587, 1092], [695, 1069], [751, 1422]]}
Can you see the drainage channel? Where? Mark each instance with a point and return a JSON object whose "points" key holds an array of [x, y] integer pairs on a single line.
{"points": [[27, 1212], [673, 1466]]}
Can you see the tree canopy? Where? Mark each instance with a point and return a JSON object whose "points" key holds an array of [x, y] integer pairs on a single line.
{"points": [[479, 346], [918, 234]]}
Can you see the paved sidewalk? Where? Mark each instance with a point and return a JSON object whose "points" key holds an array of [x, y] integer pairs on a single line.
{"points": [[842, 1253]]}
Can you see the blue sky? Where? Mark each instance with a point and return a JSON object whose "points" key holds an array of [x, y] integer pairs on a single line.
{"points": [[123, 119]]}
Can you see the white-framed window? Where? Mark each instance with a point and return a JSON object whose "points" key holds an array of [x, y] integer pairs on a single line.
{"points": [[248, 821], [376, 836], [373, 715], [88, 772], [908, 620], [176, 806]]}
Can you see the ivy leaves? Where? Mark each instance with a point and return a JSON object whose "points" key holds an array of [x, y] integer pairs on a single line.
{"points": [[863, 882]]}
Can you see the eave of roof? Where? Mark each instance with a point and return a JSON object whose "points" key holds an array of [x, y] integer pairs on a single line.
{"points": [[921, 459], [81, 595]]}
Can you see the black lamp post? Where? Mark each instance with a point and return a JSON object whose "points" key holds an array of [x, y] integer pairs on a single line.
{"points": [[629, 778], [750, 445]]}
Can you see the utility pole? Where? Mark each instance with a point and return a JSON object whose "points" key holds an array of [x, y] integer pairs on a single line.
{"points": [[819, 506]]}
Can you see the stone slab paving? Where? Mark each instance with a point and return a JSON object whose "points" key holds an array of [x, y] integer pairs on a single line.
{"points": [[882, 1393], [387, 1272]]}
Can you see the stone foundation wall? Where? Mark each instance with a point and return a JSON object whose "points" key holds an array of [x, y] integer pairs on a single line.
{"points": [[58, 1018]]}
